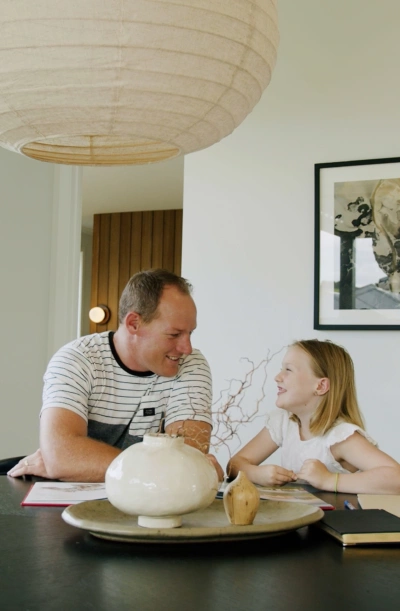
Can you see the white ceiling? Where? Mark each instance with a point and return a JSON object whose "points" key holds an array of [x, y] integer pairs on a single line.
{"points": [[157, 186]]}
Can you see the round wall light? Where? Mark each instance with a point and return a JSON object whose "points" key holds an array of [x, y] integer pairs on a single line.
{"points": [[100, 314]]}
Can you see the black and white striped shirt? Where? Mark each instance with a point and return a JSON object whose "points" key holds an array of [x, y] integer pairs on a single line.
{"points": [[119, 405]]}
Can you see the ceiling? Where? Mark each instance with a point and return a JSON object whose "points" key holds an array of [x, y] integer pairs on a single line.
{"points": [[157, 186]]}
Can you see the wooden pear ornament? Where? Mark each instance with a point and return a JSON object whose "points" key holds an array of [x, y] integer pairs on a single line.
{"points": [[241, 501]]}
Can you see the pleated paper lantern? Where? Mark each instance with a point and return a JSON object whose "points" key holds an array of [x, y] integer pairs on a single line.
{"points": [[103, 82]]}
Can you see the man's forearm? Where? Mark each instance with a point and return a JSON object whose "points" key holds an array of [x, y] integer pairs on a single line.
{"points": [[195, 432], [77, 459]]}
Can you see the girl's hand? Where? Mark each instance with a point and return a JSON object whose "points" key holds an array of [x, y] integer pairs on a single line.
{"points": [[272, 475], [315, 473]]}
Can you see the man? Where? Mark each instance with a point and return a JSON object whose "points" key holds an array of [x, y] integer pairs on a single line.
{"points": [[103, 392]]}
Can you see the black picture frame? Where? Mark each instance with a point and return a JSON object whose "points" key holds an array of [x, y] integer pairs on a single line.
{"points": [[357, 245]]}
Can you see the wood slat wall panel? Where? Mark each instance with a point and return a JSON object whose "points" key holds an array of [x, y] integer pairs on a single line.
{"points": [[168, 250], [136, 242], [124, 251], [95, 267], [178, 242], [147, 236], [113, 275], [128, 242], [157, 239], [104, 264]]}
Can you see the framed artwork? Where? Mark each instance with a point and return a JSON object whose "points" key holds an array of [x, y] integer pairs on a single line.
{"points": [[357, 245]]}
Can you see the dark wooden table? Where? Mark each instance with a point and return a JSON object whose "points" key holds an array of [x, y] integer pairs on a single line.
{"points": [[45, 564]]}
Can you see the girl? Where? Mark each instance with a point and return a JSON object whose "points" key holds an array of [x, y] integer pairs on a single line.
{"points": [[319, 428]]}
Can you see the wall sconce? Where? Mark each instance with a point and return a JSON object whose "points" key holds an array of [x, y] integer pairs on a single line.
{"points": [[100, 314]]}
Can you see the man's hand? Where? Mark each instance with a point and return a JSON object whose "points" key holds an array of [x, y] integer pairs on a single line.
{"points": [[213, 461], [30, 465]]}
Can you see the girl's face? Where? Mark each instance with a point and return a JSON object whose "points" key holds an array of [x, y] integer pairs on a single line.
{"points": [[297, 383]]}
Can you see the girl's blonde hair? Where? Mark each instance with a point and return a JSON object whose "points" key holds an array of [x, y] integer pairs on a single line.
{"points": [[328, 360]]}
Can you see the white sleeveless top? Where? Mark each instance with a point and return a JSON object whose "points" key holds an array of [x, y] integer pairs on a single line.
{"points": [[285, 433]]}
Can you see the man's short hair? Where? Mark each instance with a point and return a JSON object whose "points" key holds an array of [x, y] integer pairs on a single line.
{"points": [[143, 292]]}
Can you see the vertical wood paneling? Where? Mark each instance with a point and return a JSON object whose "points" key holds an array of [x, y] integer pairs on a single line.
{"points": [[104, 264], [136, 243], [113, 270], [126, 243], [168, 250], [147, 236], [95, 266], [124, 251], [157, 239], [178, 242]]}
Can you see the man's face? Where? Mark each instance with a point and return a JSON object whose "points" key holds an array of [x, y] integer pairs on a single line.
{"points": [[160, 343]]}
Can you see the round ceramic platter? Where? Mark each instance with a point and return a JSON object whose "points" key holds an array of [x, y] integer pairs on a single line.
{"points": [[103, 520]]}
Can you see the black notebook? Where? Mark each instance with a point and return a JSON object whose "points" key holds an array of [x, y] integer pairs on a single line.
{"points": [[362, 526]]}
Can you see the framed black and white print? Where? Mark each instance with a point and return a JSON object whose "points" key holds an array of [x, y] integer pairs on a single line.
{"points": [[357, 245]]}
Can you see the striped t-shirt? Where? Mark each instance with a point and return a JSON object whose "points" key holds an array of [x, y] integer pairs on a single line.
{"points": [[119, 405]]}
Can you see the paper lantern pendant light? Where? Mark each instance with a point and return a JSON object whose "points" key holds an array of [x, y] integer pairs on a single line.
{"points": [[103, 82]]}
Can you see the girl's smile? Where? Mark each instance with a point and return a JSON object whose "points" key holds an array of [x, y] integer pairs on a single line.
{"points": [[297, 383]]}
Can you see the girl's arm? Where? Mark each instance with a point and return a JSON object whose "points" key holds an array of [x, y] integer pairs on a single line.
{"points": [[378, 473], [248, 460]]}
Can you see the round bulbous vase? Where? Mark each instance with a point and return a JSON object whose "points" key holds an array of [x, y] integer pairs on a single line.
{"points": [[160, 480]]}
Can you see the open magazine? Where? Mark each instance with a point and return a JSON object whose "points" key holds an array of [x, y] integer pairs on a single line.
{"points": [[294, 495], [64, 493], [69, 493]]}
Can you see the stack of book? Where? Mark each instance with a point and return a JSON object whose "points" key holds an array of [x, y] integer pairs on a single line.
{"points": [[378, 522]]}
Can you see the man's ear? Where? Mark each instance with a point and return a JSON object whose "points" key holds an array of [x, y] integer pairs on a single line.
{"points": [[323, 386], [133, 322]]}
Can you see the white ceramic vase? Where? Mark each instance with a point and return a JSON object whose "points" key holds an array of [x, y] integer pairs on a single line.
{"points": [[161, 479]]}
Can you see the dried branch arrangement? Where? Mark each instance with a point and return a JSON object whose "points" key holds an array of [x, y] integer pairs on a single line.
{"points": [[229, 411]]}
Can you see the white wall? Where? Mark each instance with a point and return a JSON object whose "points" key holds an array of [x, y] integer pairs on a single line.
{"points": [[154, 186], [40, 212], [248, 241], [25, 249]]}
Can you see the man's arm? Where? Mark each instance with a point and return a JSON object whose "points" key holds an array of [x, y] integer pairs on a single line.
{"points": [[191, 401], [197, 434], [68, 453]]}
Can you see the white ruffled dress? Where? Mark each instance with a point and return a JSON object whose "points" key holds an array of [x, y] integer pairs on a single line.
{"points": [[285, 433]]}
